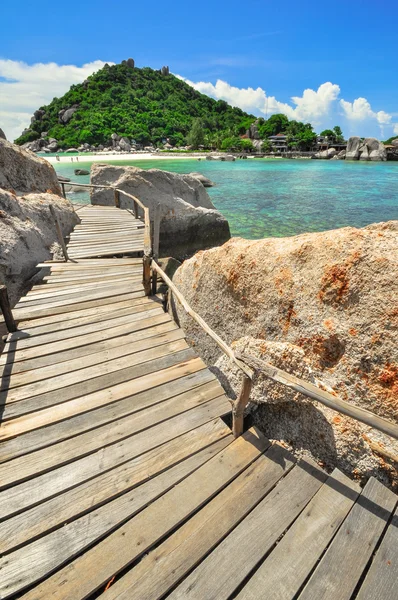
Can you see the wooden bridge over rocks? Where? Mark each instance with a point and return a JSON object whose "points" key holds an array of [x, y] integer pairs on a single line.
{"points": [[120, 476]]}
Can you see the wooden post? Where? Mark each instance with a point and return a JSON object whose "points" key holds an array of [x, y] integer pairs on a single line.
{"points": [[117, 198], [155, 245], [135, 209], [146, 275], [59, 232], [240, 405], [63, 189], [6, 309]]}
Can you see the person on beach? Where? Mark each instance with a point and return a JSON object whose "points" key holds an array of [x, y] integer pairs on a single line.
{"points": [[71, 158], [57, 157]]}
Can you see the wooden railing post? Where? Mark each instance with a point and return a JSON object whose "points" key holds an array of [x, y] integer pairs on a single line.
{"points": [[6, 309], [117, 198], [155, 245], [239, 406], [135, 209], [63, 189], [59, 232], [146, 275]]}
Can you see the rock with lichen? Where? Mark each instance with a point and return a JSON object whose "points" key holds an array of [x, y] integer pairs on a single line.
{"points": [[327, 298]]}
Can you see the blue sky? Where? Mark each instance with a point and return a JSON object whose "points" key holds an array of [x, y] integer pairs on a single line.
{"points": [[255, 54]]}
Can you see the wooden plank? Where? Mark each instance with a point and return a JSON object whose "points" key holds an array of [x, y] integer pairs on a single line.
{"points": [[102, 385], [83, 375], [41, 296], [284, 571], [81, 351], [346, 558], [80, 578], [53, 322], [65, 307], [103, 397], [46, 291], [93, 263], [23, 341], [15, 354], [250, 541], [29, 438], [381, 581], [76, 297], [207, 439], [66, 451], [123, 347], [42, 487], [167, 564]]}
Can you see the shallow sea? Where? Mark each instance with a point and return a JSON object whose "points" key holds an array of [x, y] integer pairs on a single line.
{"points": [[263, 197]]}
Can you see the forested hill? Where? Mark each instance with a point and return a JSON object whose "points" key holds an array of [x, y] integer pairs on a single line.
{"points": [[146, 105]]}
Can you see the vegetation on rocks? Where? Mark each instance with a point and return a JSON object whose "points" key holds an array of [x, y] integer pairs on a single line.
{"points": [[150, 107]]}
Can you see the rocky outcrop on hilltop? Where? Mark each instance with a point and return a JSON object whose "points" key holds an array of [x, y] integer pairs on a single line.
{"points": [[23, 172], [2, 134], [28, 185], [365, 149], [189, 220], [322, 306]]}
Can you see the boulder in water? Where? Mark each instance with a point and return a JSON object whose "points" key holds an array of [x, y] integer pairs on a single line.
{"points": [[189, 220], [203, 180], [81, 172]]}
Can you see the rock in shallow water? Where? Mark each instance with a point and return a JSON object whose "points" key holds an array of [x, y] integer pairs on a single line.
{"points": [[189, 221]]}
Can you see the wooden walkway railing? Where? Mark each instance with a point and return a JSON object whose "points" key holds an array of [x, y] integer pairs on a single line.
{"points": [[248, 364]]}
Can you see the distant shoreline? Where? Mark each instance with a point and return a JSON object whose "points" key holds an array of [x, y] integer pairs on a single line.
{"points": [[83, 157]]}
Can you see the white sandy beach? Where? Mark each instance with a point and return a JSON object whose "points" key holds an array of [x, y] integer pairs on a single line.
{"points": [[117, 157]]}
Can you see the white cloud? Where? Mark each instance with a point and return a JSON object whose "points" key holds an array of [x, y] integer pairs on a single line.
{"points": [[318, 107], [360, 110], [312, 105], [27, 87]]}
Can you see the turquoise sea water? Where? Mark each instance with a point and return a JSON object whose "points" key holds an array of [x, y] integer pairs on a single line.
{"points": [[263, 197]]}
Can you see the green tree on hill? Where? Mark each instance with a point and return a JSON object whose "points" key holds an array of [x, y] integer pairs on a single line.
{"points": [[196, 136]]}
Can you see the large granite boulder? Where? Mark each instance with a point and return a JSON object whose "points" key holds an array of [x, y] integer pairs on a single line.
{"points": [[23, 172], [205, 181], [65, 115], [124, 144], [326, 154], [366, 149], [27, 234], [189, 221], [2, 134], [321, 305], [395, 142], [352, 150]]}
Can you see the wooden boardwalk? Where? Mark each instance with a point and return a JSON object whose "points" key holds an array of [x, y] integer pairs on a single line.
{"points": [[119, 477]]}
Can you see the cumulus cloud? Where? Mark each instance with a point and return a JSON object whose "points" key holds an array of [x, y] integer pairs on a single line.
{"points": [[316, 106], [24, 88], [312, 105], [360, 110]]}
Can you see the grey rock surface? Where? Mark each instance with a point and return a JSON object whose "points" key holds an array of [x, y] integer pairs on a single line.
{"points": [[2, 134], [27, 234], [205, 181], [332, 296], [189, 221], [23, 172]]}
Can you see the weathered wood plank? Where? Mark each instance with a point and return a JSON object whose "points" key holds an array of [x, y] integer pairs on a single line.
{"points": [[285, 570], [167, 564], [342, 565], [29, 439], [83, 375], [71, 341], [63, 452], [125, 346], [29, 493], [120, 548], [382, 579], [250, 541], [185, 362], [211, 436], [65, 307], [82, 351]]}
